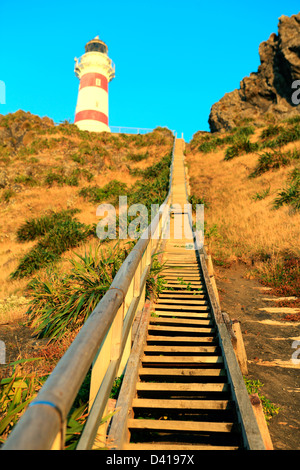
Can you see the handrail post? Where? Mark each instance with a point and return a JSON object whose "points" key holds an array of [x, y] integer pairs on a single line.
{"points": [[127, 301]]}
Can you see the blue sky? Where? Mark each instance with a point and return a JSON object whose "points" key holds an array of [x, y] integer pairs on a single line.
{"points": [[173, 59]]}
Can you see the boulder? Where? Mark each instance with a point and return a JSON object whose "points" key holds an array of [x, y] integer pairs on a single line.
{"points": [[267, 92]]}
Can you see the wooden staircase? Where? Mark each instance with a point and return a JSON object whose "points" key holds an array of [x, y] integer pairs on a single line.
{"points": [[177, 393], [183, 398]]}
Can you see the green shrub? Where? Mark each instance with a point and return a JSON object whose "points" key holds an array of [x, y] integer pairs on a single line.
{"points": [[64, 301], [16, 392], [291, 194], [66, 234], [262, 195], [240, 146], [7, 194], [137, 157], [52, 177], [28, 180], [254, 386], [35, 228], [155, 282], [270, 131], [284, 136], [243, 131], [193, 200], [110, 191], [273, 161]]}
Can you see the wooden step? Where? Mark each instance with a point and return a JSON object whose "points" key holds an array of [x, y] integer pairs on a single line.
{"points": [[183, 277], [182, 387], [180, 321], [168, 425], [176, 447], [178, 329], [179, 285], [167, 313], [202, 308], [181, 271], [182, 404], [147, 371], [181, 301], [182, 359], [184, 282], [188, 295], [183, 291], [181, 339], [183, 349]]}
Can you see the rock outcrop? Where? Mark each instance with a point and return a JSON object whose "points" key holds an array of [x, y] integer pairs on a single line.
{"points": [[269, 90]]}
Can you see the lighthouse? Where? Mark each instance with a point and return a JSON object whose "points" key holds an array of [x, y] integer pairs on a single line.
{"points": [[94, 70]]}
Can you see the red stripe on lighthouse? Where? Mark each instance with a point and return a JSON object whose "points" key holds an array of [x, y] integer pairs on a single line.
{"points": [[91, 114], [94, 79]]}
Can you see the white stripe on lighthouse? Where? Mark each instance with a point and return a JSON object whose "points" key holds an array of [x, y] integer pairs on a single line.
{"points": [[91, 97]]}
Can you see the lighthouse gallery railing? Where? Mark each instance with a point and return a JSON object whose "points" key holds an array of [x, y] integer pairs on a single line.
{"points": [[104, 342]]}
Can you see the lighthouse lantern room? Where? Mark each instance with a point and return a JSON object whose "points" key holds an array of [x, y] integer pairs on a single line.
{"points": [[94, 70]]}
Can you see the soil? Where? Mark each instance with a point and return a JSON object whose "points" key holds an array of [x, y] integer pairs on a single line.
{"points": [[19, 341], [268, 340]]}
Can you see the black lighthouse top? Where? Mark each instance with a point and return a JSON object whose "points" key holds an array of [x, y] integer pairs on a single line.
{"points": [[96, 45]]}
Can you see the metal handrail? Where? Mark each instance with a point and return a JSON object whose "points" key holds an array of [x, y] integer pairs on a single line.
{"points": [[101, 342], [133, 130]]}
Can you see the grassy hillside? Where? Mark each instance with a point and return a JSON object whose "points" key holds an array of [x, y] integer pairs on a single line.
{"points": [[54, 268], [59, 172], [249, 180]]}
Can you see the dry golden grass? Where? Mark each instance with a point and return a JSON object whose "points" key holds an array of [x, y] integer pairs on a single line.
{"points": [[245, 228]]}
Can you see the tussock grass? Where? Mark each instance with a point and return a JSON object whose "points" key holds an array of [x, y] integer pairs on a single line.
{"points": [[283, 134], [206, 142], [269, 161], [240, 146], [290, 195]]}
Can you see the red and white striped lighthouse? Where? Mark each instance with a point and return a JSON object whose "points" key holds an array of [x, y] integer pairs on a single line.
{"points": [[94, 70]]}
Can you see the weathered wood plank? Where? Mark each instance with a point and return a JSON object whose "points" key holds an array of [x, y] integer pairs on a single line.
{"points": [[180, 321], [147, 371], [182, 404], [181, 339], [168, 313], [191, 301], [183, 359], [202, 308], [187, 295], [178, 447], [184, 349], [183, 292], [180, 329], [193, 426]]}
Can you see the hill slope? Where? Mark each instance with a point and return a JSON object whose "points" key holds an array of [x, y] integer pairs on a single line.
{"points": [[249, 182]]}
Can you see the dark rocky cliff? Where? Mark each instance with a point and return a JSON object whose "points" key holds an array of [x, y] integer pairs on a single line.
{"points": [[269, 90]]}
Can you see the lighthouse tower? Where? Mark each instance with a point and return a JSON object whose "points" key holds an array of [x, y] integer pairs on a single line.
{"points": [[94, 70]]}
